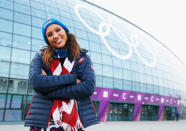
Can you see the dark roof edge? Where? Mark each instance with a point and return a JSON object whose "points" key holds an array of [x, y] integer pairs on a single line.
{"points": [[138, 28]]}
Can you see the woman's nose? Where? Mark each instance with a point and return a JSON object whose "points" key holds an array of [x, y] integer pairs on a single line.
{"points": [[55, 35]]}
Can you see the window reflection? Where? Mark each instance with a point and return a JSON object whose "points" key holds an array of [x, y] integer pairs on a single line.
{"points": [[22, 29], [16, 101], [2, 100], [37, 44], [22, 8], [3, 51], [6, 14], [5, 39], [107, 71], [4, 27], [13, 115], [118, 84], [107, 82], [20, 56], [21, 18], [19, 71], [3, 84], [21, 42]]}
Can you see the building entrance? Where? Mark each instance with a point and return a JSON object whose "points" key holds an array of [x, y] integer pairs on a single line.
{"points": [[120, 111], [169, 113], [149, 112]]}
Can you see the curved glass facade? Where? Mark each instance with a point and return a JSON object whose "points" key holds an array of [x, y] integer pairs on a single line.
{"points": [[135, 73]]}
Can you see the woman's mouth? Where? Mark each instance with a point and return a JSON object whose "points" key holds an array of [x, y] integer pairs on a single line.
{"points": [[58, 41]]}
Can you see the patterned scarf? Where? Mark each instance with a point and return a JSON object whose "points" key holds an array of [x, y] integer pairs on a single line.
{"points": [[65, 112]]}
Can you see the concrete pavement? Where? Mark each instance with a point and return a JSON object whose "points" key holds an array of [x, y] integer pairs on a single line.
{"points": [[119, 126]]}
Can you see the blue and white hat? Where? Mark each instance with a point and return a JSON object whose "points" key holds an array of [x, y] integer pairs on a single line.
{"points": [[48, 23]]}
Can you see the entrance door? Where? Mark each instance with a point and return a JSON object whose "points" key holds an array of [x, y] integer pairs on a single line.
{"points": [[120, 111], [149, 112], [169, 113]]}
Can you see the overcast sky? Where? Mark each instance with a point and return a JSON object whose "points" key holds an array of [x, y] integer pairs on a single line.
{"points": [[164, 19]]}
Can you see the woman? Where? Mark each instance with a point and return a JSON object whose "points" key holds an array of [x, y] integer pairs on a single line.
{"points": [[63, 78]]}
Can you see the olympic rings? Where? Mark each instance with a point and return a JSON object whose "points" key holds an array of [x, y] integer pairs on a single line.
{"points": [[132, 41]]}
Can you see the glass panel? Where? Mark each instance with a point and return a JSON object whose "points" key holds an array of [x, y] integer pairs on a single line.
{"points": [[18, 86], [22, 86], [6, 14], [127, 74], [22, 8], [2, 100], [4, 27], [135, 86], [13, 115], [30, 90], [3, 85], [81, 34], [1, 114], [21, 18], [99, 81], [38, 22], [21, 42], [5, 39], [6, 4], [25, 2], [20, 56], [32, 54], [19, 71], [107, 82], [37, 44], [3, 51], [126, 85], [38, 13], [96, 57], [117, 73], [107, 71], [98, 69], [95, 47], [4, 69], [36, 33], [143, 87], [107, 60], [118, 84], [8, 101], [116, 62], [16, 101], [37, 5], [104, 50], [83, 43], [135, 76], [22, 29]]}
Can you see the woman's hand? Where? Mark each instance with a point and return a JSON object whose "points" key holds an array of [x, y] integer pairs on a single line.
{"points": [[43, 72], [78, 81]]}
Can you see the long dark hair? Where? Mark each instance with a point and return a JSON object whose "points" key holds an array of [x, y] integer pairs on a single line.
{"points": [[71, 44]]}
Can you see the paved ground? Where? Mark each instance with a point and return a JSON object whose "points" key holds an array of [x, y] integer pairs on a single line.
{"points": [[119, 126]]}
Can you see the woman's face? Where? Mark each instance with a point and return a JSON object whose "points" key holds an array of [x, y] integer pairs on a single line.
{"points": [[56, 36]]}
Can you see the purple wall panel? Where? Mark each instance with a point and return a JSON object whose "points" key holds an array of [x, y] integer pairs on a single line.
{"points": [[106, 95]]}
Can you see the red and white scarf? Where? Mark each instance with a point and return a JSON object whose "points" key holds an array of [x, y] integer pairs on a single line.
{"points": [[65, 112]]}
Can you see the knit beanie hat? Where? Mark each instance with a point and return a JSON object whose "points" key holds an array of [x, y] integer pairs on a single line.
{"points": [[50, 22]]}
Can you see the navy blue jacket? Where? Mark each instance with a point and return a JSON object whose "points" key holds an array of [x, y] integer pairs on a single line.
{"points": [[47, 87]]}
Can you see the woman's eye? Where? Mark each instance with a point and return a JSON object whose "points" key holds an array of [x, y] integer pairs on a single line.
{"points": [[49, 34], [57, 30]]}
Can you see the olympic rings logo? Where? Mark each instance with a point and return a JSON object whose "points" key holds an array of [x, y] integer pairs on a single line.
{"points": [[132, 41]]}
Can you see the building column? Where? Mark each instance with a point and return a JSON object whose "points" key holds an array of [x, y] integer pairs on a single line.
{"points": [[103, 110], [137, 111], [161, 111]]}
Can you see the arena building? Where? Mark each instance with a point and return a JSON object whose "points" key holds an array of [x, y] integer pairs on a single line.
{"points": [[137, 76]]}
